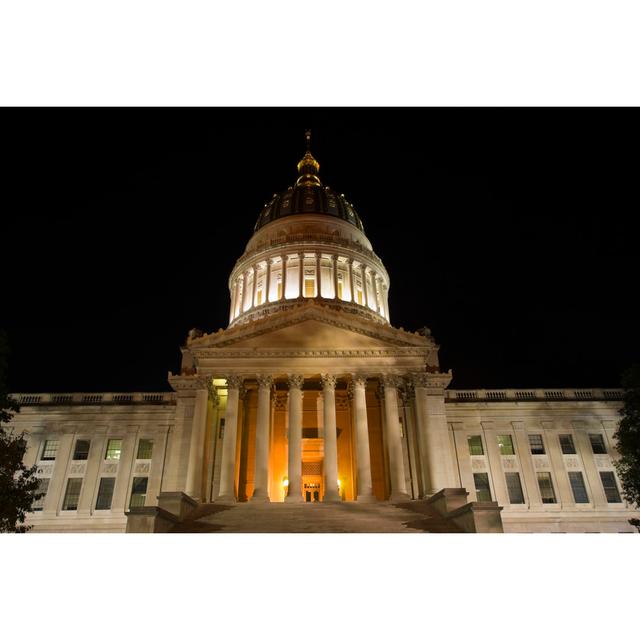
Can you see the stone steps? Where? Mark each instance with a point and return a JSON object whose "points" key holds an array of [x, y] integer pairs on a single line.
{"points": [[344, 517]]}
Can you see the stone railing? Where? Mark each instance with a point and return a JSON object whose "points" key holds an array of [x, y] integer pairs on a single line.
{"points": [[529, 395], [41, 399]]}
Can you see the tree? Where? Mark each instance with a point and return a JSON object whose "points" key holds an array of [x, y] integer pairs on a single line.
{"points": [[18, 484], [628, 440]]}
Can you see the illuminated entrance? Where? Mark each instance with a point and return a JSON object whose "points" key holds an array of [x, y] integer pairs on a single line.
{"points": [[312, 472]]}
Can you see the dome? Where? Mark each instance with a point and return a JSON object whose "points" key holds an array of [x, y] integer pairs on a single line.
{"points": [[308, 195]]}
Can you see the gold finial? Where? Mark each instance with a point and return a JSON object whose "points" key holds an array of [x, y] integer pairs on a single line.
{"points": [[308, 167]]}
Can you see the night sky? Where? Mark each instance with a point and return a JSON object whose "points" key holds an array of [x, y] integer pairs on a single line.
{"points": [[510, 233]]}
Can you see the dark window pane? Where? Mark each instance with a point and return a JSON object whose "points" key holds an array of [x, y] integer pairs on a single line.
{"points": [[514, 488], [475, 445], [597, 443], [546, 487], [105, 493], [81, 452], [72, 494], [483, 491], [505, 444], [610, 487], [536, 444], [50, 450], [578, 488], [145, 449], [566, 443], [138, 492], [43, 486], [114, 449]]}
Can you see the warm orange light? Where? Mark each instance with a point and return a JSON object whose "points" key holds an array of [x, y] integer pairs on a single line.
{"points": [[285, 482]]}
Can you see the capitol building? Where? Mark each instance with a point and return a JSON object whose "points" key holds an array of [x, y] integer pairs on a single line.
{"points": [[311, 405]]}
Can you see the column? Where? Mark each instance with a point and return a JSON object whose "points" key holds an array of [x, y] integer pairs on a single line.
{"points": [[193, 485], [227, 491], [363, 458], [435, 446], [365, 288], [284, 276], [232, 306], [57, 484], [240, 296], [331, 493], [294, 473], [352, 280], [96, 451], [261, 476], [300, 275], [393, 438], [385, 302], [123, 479], [267, 285], [318, 275], [256, 269], [376, 293], [334, 263]]}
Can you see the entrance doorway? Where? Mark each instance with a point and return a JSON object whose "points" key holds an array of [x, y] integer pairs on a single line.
{"points": [[312, 489]]}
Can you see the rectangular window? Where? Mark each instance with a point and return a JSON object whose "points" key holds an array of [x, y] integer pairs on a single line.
{"points": [[577, 486], [279, 290], [546, 487], [359, 296], [610, 487], [309, 288], [138, 492], [114, 449], [597, 443], [505, 444], [49, 450], [43, 486], [475, 446], [340, 290], [105, 493], [536, 444], [514, 487], [566, 444], [483, 491], [259, 297], [72, 494], [145, 449], [81, 451]]}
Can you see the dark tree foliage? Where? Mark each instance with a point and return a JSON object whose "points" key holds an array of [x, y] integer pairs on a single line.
{"points": [[628, 440], [18, 484]]}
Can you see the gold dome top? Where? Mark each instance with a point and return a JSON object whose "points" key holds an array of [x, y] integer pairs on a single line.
{"points": [[308, 167]]}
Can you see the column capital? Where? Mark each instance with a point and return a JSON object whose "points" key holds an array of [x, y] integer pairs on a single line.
{"points": [[359, 380], [295, 381], [390, 380], [204, 382], [264, 381], [431, 381], [328, 381], [234, 382]]}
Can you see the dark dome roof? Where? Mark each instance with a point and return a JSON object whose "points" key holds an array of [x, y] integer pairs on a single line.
{"points": [[308, 199], [308, 196]]}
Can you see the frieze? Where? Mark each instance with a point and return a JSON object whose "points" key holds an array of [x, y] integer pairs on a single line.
{"points": [[77, 468], [508, 463], [540, 462], [478, 464], [110, 468], [142, 467], [571, 463], [312, 353]]}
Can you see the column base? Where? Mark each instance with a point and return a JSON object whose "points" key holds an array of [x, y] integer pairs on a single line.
{"points": [[228, 499], [399, 497], [366, 499], [260, 496], [331, 496], [294, 498]]}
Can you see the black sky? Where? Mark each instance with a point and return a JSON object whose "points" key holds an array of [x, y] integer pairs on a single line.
{"points": [[515, 226]]}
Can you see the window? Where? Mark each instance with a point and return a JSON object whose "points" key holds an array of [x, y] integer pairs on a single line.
{"points": [[340, 287], [505, 444], [221, 430], [514, 488], [81, 452], [578, 488], [114, 448], [546, 487], [536, 444], [475, 446], [309, 288], [145, 449], [597, 443], [359, 296], [105, 493], [566, 444], [49, 450], [279, 289], [259, 297], [138, 492], [610, 487], [483, 491], [43, 486], [72, 494]]}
